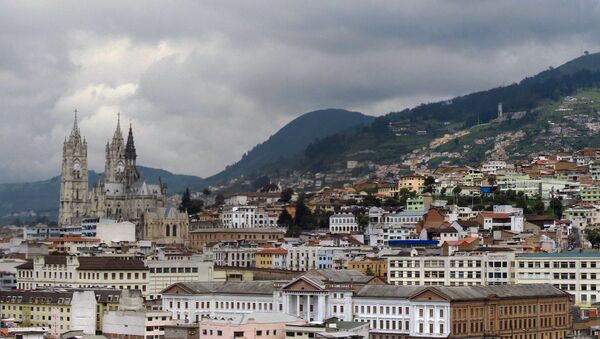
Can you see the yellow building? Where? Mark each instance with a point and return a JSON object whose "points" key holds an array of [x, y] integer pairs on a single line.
{"points": [[166, 225], [271, 258], [370, 266], [83, 272], [56, 309], [386, 191], [413, 183]]}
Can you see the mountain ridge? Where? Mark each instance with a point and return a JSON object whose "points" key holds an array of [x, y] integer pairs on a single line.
{"points": [[292, 139]]}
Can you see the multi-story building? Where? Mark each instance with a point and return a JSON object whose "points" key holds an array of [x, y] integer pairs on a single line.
{"points": [[188, 302], [234, 254], [42, 232], [576, 273], [83, 272], [59, 310], [131, 319], [261, 325], [413, 183], [370, 266], [456, 270], [492, 167], [200, 237], [165, 225], [165, 272], [503, 221], [271, 258], [149, 276], [583, 215], [595, 170], [343, 223], [390, 311], [246, 216], [590, 194], [304, 258], [89, 226]]}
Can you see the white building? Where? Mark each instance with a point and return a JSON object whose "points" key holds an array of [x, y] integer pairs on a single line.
{"points": [[246, 216], [397, 311], [492, 167], [165, 272], [461, 269], [343, 223], [88, 226], [573, 272], [304, 258]]}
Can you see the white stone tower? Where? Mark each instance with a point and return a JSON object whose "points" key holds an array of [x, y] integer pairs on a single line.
{"points": [[73, 178]]}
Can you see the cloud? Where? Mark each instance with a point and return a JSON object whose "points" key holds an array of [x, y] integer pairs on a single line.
{"points": [[203, 82]]}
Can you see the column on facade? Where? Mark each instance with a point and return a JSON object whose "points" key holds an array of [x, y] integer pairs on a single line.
{"points": [[321, 307], [308, 307], [298, 306]]}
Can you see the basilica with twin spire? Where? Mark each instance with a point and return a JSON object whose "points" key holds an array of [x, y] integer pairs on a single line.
{"points": [[121, 193]]}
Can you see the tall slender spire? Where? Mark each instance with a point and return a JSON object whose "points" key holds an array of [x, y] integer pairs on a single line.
{"points": [[75, 131], [130, 147], [75, 127], [118, 134]]}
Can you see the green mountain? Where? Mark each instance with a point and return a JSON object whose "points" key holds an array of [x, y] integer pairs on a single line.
{"points": [[391, 137], [290, 141], [18, 199]]}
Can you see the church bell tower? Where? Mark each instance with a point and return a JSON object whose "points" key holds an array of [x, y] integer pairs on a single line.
{"points": [[73, 178]]}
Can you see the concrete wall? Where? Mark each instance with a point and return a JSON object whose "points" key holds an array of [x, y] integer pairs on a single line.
{"points": [[83, 312], [115, 232]]}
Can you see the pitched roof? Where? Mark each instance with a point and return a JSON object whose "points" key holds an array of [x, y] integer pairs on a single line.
{"points": [[229, 287], [464, 293], [110, 263], [458, 293], [339, 276], [389, 291]]}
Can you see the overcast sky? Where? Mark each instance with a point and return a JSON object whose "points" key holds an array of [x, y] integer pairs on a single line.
{"points": [[204, 81]]}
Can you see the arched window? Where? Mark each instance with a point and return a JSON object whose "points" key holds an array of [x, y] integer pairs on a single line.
{"points": [[174, 230], [168, 231]]}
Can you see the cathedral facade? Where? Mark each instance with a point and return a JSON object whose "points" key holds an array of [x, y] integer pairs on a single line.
{"points": [[120, 194]]}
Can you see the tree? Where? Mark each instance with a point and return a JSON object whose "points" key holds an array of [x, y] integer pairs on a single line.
{"points": [[286, 195], [392, 202], [369, 271], [189, 205], [455, 192], [303, 217], [185, 200], [363, 221], [555, 208], [443, 191], [538, 206], [219, 200], [285, 219], [593, 236], [206, 191], [429, 181], [371, 200]]}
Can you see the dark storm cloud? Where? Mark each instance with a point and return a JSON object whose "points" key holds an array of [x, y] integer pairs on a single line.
{"points": [[203, 81]]}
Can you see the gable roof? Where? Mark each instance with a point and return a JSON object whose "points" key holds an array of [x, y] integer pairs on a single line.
{"points": [[229, 287]]}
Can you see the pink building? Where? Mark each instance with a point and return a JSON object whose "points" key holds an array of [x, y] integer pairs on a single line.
{"points": [[256, 325]]}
